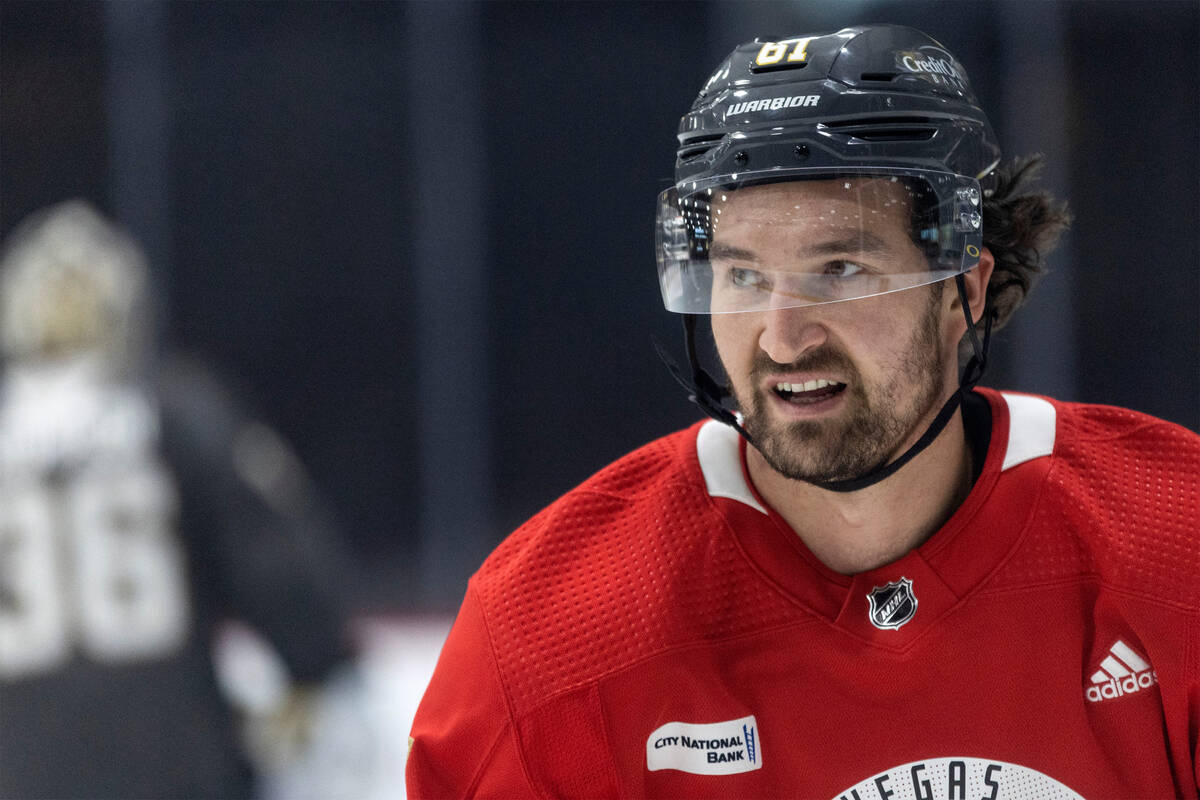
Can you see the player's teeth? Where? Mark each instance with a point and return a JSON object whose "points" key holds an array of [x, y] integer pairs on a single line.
{"points": [[807, 386]]}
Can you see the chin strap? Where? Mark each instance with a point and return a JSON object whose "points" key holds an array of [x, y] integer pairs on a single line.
{"points": [[702, 388], [971, 374], [704, 391]]}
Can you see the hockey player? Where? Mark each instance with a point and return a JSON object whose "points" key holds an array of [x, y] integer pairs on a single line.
{"points": [[139, 508], [865, 578]]}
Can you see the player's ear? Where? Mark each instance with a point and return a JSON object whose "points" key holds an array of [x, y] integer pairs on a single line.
{"points": [[976, 282]]}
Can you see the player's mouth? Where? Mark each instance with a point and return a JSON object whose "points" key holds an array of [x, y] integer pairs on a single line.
{"points": [[810, 397]]}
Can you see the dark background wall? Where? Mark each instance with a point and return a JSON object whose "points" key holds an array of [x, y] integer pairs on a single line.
{"points": [[417, 236]]}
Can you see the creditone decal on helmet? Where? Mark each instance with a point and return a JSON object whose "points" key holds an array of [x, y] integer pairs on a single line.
{"points": [[936, 66]]}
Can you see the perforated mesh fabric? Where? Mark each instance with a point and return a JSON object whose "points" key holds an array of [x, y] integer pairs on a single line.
{"points": [[593, 583], [630, 603], [1123, 504]]}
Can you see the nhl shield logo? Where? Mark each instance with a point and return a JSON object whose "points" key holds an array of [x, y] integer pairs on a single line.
{"points": [[892, 605]]}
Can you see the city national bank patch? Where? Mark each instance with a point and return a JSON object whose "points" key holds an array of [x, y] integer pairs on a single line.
{"points": [[714, 748]]}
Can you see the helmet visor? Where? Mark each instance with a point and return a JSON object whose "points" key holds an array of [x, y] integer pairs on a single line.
{"points": [[782, 239]]}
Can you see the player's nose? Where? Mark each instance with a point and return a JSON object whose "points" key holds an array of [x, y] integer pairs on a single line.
{"points": [[789, 333]]}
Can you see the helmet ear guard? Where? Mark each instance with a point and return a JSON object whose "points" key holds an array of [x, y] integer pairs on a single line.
{"points": [[865, 104], [702, 388]]}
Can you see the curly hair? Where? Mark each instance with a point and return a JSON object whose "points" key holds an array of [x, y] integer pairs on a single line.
{"points": [[1020, 227]]}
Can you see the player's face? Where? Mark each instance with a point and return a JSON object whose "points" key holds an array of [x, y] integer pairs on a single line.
{"points": [[829, 391]]}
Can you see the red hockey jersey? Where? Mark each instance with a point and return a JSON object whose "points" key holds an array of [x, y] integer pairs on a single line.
{"points": [[660, 632]]}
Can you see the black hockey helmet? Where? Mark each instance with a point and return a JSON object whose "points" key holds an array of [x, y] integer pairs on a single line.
{"points": [[879, 101], [883, 109], [871, 95]]}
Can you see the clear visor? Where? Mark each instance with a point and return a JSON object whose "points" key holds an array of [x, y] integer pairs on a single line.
{"points": [[754, 242]]}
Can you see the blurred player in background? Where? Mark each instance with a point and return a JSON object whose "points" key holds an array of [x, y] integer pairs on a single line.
{"points": [[864, 577], [140, 507]]}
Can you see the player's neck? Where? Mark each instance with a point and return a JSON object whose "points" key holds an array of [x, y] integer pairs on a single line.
{"points": [[857, 531]]}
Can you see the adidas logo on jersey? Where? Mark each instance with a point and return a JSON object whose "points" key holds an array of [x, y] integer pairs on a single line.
{"points": [[1122, 672]]}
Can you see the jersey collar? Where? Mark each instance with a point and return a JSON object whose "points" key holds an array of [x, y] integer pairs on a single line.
{"points": [[939, 574]]}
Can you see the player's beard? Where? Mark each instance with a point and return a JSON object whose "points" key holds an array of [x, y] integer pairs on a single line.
{"points": [[873, 425]]}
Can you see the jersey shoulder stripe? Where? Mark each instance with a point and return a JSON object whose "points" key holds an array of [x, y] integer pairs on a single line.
{"points": [[1122, 504]]}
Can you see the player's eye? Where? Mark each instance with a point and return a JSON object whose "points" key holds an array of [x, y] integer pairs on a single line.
{"points": [[844, 269], [748, 279]]}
